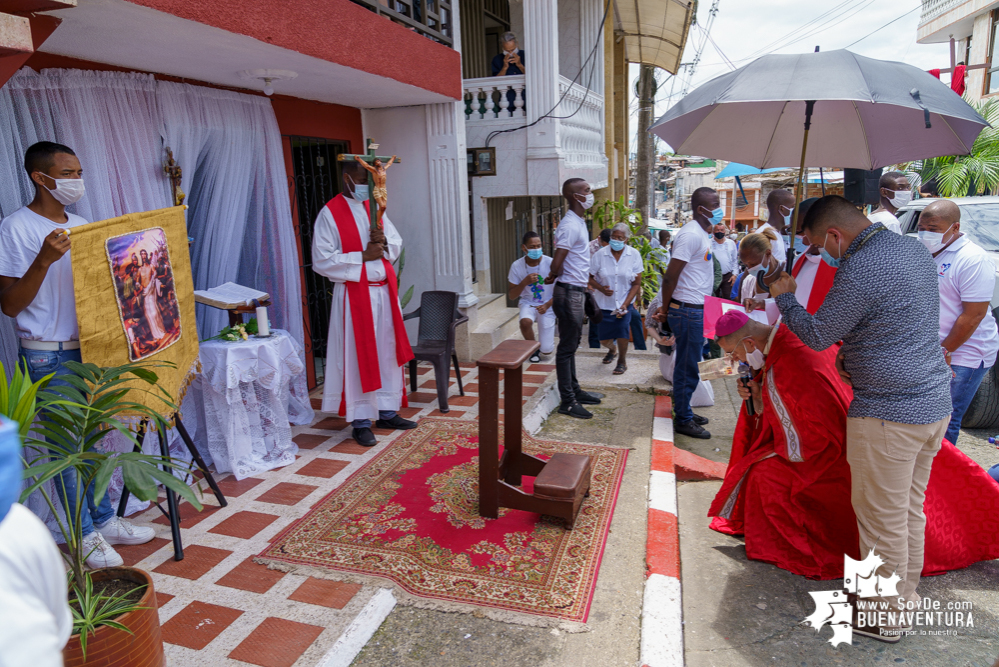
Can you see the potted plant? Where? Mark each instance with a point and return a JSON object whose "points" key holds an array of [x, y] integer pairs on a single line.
{"points": [[114, 606]]}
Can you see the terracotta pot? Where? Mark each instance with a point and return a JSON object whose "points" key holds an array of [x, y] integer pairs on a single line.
{"points": [[115, 648]]}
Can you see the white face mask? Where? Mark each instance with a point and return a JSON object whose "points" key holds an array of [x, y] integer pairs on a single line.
{"points": [[755, 359], [901, 198], [933, 241], [587, 202], [67, 190]]}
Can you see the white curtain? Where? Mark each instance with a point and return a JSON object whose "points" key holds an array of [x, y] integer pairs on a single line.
{"points": [[228, 145]]}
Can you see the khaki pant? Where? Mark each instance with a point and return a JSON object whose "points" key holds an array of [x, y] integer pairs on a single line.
{"points": [[890, 466]]}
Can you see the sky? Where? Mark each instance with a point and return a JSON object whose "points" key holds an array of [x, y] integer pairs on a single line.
{"points": [[746, 29]]}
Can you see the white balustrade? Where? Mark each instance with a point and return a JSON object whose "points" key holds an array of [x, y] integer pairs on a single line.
{"points": [[494, 98], [581, 117], [934, 8]]}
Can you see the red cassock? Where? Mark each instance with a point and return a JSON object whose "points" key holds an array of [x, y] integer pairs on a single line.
{"points": [[787, 488]]}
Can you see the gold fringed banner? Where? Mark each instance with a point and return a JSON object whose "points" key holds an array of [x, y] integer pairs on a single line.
{"points": [[135, 297]]}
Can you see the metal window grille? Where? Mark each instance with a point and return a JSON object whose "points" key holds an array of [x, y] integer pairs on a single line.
{"points": [[430, 18]]}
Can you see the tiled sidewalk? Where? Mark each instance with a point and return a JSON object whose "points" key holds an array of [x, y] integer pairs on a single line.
{"points": [[218, 607]]}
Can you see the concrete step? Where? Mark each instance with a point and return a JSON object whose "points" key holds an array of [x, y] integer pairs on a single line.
{"points": [[495, 323]]}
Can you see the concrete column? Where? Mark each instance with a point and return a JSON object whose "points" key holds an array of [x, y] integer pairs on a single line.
{"points": [[541, 49], [449, 215]]}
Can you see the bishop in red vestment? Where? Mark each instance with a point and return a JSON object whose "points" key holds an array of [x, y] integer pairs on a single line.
{"points": [[787, 488]]}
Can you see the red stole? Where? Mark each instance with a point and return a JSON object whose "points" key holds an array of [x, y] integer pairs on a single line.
{"points": [[359, 296], [824, 276]]}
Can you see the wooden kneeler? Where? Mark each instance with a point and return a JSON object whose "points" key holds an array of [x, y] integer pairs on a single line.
{"points": [[561, 482]]}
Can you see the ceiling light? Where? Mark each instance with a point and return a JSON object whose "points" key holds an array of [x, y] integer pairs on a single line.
{"points": [[268, 76]]}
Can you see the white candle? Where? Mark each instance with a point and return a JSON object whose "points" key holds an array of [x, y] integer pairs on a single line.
{"points": [[263, 326]]}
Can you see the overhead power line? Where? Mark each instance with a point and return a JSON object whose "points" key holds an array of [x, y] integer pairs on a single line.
{"points": [[884, 26]]}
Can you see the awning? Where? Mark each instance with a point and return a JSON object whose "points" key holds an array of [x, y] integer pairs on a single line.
{"points": [[654, 31]]}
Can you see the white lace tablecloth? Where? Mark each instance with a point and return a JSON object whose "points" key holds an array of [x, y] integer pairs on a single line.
{"points": [[248, 395]]}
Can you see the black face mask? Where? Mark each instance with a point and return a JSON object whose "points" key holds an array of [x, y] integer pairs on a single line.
{"points": [[719, 235]]}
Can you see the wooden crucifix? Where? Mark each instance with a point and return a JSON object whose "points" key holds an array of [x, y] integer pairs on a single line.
{"points": [[376, 166], [953, 62], [174, 173]]}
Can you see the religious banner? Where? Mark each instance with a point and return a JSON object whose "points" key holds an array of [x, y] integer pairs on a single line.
{"points": [[135, 297]]}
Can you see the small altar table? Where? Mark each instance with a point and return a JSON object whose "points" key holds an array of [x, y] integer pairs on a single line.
{"points": [[247, 396]]}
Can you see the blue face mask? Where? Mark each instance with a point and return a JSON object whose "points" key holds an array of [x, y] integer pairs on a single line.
{"points": [[534, 253], [799, 246], [717, 215], [826, 257], [360, 191], [616, 245]]}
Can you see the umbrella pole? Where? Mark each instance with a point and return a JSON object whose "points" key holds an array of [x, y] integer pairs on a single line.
{"points": [[797, 191]]}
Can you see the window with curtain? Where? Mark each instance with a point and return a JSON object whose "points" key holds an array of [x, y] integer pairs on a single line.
{"points": [[991, 78]]}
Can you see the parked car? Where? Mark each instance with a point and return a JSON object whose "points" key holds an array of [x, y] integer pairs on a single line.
{"points": [[980, 221]]}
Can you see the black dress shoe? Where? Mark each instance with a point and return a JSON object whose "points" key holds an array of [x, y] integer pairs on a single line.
{"points": [[691, 429], [575, 410], [700, 421], [396, 422], [364, 437], [586, 398]]}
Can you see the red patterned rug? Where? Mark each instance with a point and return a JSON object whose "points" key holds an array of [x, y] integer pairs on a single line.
{"points": [[411, 516]]}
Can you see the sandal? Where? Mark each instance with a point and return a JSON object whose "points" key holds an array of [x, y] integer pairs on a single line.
{"points": [[609, 357], [620, 369]]}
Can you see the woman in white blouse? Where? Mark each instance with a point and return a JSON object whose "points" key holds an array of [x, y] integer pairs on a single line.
{"points": [[616, 278]]}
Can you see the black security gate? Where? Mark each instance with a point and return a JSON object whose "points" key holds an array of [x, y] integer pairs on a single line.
{"points": [[316, 180]]}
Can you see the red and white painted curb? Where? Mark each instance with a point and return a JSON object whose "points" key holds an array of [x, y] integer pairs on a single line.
{"points": [[662, 608]]}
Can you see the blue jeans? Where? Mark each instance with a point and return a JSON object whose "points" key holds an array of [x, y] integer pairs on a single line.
{"points": [[637, 330], [366, 423], [41, 363], [963, 386], [687, 325]]}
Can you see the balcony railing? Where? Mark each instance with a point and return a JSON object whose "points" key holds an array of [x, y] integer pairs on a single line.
{"points": [[934, 8], [581, 115], [430, 18], [494, 97]]}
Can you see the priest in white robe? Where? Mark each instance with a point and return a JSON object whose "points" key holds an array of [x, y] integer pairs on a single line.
{"points": [[367, 340]]}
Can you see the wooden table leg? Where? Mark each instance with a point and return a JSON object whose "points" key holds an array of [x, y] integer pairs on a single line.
{"points": [[513, 391], [489, 442]]}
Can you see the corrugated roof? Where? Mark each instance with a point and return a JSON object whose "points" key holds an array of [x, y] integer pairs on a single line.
{"points": [[654, 31]]}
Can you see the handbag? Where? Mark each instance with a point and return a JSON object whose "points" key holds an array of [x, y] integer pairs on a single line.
{"points": [[592, 310]]}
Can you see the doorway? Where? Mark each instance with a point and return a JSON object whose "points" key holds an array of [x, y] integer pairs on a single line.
{"points": [[316, 180]]}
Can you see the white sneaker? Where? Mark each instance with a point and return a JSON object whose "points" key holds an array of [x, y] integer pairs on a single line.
{"points": [[120, 531], [99, 553]]}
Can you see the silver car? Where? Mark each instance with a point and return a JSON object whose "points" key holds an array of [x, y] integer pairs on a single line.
{"points": [[980, 221]]}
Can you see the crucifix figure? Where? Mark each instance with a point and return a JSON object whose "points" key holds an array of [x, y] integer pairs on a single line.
{"points": [[173, 172], [376, 167], [958, 85]]}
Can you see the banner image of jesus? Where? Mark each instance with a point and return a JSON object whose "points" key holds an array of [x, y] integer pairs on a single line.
{"points": [[150, 315]]}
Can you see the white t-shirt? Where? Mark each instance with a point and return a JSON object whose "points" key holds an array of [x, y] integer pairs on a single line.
{"points": [[52, 314], [693, 245], [886, 219], [966, 273], [776, 247], [727, 254], [35, 620], [520, 270], [617, 274], [806, 278], [571, 235]]}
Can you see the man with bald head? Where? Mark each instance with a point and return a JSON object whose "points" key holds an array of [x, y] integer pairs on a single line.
{"points": [[780, 204], [895, 193], [967, 279], [689, 277], [884, 306], [570, 271]]}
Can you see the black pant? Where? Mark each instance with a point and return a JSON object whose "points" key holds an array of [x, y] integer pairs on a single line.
{"points": [[568, 307]]}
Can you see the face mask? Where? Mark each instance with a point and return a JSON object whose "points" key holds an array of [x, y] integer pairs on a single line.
{"points": [[715, 216], [787, 240], [799, 246], [616, 245], [719, 235], [787, 218], [534, 253], [360, 190], [733, 236], [758, 272], [67, 190], [587, 203], [932, 240], [826, 257], [755, 359], [902, 197]]}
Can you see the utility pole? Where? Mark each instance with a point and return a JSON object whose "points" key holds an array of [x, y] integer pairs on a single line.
{"points": [[645, 149]]}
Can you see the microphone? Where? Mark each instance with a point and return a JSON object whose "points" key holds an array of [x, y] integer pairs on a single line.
{"points": [[745, 375]]}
